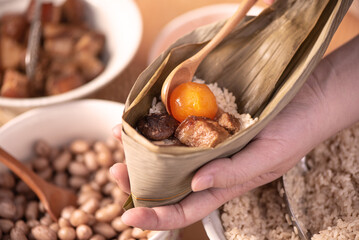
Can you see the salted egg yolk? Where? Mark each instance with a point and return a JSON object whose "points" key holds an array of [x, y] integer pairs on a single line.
{"points": [[194, 99]]}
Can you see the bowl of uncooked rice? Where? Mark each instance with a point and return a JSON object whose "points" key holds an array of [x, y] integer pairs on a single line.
{"points": [[327, 193]]}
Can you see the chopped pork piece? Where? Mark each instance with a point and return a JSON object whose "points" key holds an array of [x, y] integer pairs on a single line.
{"points": [[13, 26], [200, 132], [57, 84], [91, 42], [12, 53], [157, 126], [74, 11], [15, 85], [61, 46], [89, 65], [50, 13], [229, 122]]}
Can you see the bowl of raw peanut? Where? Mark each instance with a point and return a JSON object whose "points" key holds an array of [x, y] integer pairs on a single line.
{"points": [[70, 145]]}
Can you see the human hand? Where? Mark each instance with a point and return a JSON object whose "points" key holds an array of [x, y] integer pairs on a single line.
{"points": [[325, 104]]}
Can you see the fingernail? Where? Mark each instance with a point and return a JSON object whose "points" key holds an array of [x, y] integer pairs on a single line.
{"points": [[203, 183]]}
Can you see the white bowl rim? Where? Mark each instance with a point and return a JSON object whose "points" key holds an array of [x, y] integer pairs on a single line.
{"points": [[192, 15], [89, 87]]}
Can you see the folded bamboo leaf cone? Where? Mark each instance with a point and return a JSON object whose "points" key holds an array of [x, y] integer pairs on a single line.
{"points": [[263, 62]]}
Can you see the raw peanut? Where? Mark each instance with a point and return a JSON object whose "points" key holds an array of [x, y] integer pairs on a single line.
{"points": [[66, 233], [139, 233], [106, 201], [83, 232], [107, 188], [119, 156], [64, 222], [104, 229], [108, 213], [118, 224], [40, 164], [104, 156], [60, 179], [61, 162], [32, 223], [126, 234], [45, 174], [42, 207], [6, 225], [67, 212], [95, 186], [79, 217], [17, 234], [119, 196], [112, 143], [86, 188], [83, 197], [42, 148], [6, 193], [101, 176], [54, 227], [79, 146], [76, 182], [8, 208], [20, 224], [7, 180], [80, 158], [42, 232], [46, 220], [20, 204], [90, 161], [78, 169], [21, 187], [90, 206], [97, 237]]}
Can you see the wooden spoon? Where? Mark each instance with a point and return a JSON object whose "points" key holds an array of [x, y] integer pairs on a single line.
{"points": [[52, 197], [185, 71]]}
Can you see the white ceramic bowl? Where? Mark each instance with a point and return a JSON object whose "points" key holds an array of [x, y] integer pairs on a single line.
{"points": [[59, 125], [191, 20], [121, 23]]}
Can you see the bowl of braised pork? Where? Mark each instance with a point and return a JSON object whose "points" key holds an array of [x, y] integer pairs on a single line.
{"points": [[82, 46]]}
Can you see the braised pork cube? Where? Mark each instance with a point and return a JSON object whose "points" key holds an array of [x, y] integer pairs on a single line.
{"points": [[12, 53], [13, 26], [229, 122], [89, 65], [60, 46], [57, 84], [74, 11], [91, 42], [50, 13], [157, 126], [15, 85], [200, 132]]}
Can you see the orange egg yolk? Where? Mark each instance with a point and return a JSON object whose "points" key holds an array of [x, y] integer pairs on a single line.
{"points": [[192, 99]]}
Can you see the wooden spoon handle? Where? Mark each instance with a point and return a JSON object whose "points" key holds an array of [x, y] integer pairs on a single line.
{"points": [[26, 174], [231, 23]]}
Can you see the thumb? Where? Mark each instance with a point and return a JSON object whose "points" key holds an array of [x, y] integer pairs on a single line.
{"points": [[258, 159]]}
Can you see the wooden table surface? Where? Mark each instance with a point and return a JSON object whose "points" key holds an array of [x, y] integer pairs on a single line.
{"points": [[155, 14]]}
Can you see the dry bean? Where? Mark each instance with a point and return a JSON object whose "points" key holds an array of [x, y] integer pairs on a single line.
{"points": [[104, 156], [32, 223], [78, 169], [46, 220], [20, 224], [21, 187], [90, 206], [126, 234], [118, 224], [79, 146], [61, 162], [40, 163], [60, 179], [108, 188], [105, 201], [86, 188], [95, 186], [20, 204], [97, 237], [42, 148], [67, 212], [7, 180], [104, 229], [83, 197], [79, 217], [63, 222], [54, 227], [8, 208], [6, 225], [119, 156], [108, 213], [83, 232], [101, 176], [90, 160], [42, 232], [77, 182], [46, 174], [17, 234], [139, 233], [66, 233], [6, 193]]}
